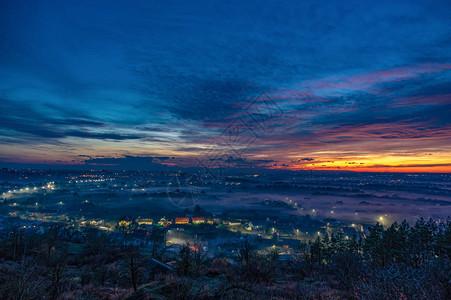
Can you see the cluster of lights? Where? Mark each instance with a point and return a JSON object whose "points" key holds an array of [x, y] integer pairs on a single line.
{"points": [[138, 190], [28, 189], [90, 180]]}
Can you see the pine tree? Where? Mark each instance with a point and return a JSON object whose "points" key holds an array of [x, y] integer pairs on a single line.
{"points": [[372, 244]]}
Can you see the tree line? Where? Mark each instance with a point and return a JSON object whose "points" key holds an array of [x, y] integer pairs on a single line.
{"points": [[400, 261]]}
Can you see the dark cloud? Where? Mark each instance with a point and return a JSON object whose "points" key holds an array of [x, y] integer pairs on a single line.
{"points": [[127, 162], [208, 100], [173, 76], [240, 162], [24, 118], [101, 136], [161, 157]]}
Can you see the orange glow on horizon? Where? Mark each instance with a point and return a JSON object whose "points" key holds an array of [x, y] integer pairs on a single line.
{"points": [[393, 169], [437, 163]]}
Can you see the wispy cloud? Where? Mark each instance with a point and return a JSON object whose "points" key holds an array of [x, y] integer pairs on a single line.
{"points": [[167, 80]]}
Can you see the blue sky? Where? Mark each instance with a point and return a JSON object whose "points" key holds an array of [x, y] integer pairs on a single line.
{"points": [[358, 81]]}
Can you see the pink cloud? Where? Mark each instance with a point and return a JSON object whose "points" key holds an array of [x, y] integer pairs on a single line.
{"points": [[313, 90]]}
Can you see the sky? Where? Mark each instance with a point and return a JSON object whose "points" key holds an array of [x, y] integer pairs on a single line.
{"points": [[323, 85]]}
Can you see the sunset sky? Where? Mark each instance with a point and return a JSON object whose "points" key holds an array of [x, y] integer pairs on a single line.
{"points": [[348, 85]]}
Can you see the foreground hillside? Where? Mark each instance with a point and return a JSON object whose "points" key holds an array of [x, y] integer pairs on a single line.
{"points": [[396, 262]]}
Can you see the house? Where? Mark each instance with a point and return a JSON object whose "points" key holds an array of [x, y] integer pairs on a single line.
{"points": [[198, 220], [234, 223], [96, 223], [249, 226], [181, 220], [142, 221], [163, 222]]}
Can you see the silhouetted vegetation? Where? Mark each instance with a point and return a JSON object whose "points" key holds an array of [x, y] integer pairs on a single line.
{"points": [[395, 262]]}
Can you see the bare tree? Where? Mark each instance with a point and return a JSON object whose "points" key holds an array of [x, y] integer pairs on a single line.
{"points": [[22, 280], [56, 266], [133, 265]]}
